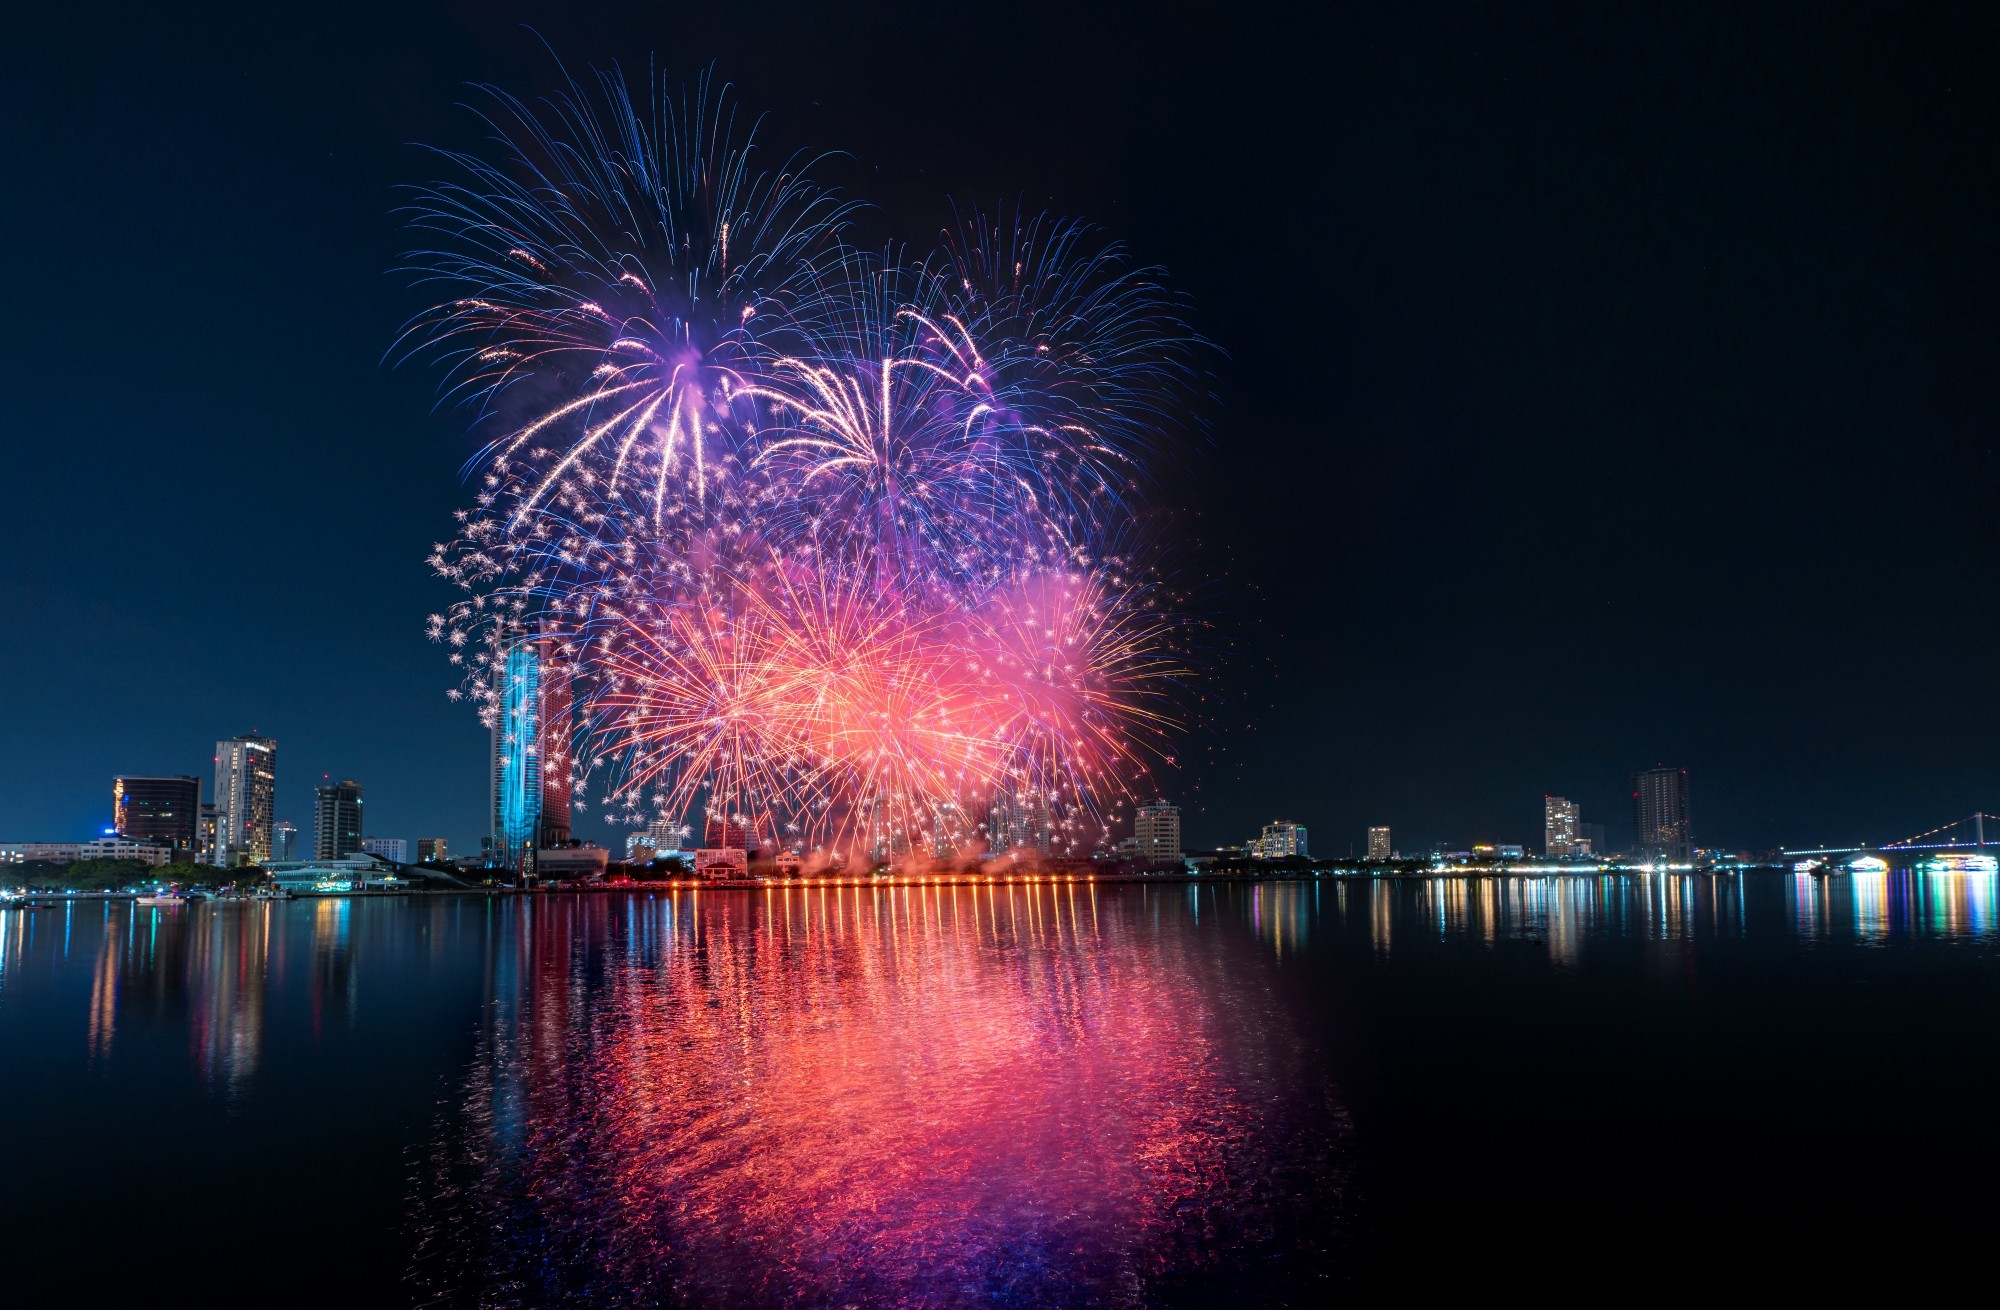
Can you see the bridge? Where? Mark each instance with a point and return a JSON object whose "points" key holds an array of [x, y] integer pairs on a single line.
{"points": [[1972, 826]]}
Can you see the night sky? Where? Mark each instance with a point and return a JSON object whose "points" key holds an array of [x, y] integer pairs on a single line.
{"points": [[1594, 389]]}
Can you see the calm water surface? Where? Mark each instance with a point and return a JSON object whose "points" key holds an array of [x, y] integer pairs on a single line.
{"points": [[1019, 1096]]}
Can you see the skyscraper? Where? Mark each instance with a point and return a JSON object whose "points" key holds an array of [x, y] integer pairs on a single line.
{"points": [[162, 810], [532, 713], [1157, 829], [284, 841], [246, 791], [1378, 844], [1660, 814], [337, 819], [1019, 821], [558, 715], [1560, 820]]}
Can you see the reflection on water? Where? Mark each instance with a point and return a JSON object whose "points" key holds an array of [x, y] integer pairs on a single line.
{"points": [[206, 970], [1036, 1096], [1023, 1095]]}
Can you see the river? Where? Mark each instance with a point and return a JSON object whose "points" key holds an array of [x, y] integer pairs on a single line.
{"points": [[1025, 1095]]}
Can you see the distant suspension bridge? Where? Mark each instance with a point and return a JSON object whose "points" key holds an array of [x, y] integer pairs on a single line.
{"points": [[1972, 826]]}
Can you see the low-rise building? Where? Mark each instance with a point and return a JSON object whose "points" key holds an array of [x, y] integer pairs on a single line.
{"points": [[358, 871], [572, 862], [69, 852], [389, 848]]}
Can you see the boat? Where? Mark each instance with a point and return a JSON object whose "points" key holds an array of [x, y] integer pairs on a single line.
{"points": [[163, 898]]}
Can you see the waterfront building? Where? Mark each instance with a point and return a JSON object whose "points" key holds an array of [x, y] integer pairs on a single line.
{"points": [[558, 718], [949, 831], [352, 872], [337, 810], [163, 810], [396, 849], [1660, 815], [284, 841], [534, 711], [208, 848], [1281, 840], [1156, 829], [1378, 844], [1019, 822], [246, 792], [432, 850], [585, 861], [734, 832], [661, 837], [1560, 817], [728, 842], [102, 848], [517, 759]]}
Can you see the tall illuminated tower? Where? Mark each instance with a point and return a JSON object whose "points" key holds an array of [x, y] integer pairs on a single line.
{"points": [[1378, 844], [517, 754], [533, 714], [1560, 819], [246, 793], [1660, 814], [337, 823], [557, 717]]}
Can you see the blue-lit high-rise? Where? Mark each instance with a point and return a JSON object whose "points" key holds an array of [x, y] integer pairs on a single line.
{"points": [[517, 755]]}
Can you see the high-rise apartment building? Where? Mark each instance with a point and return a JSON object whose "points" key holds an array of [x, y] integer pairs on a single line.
{"points": [[1378, 844], [1561, 818], [284, 841], [1281, 840], [162, 810], [396, 849], [432, 850], [533, 709], [337, 819], [1660, 814], [1157, 830], [1019, 821], [246, 793]]}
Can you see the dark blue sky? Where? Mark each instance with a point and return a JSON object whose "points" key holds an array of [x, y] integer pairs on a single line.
{"points": [[1600, 390]]}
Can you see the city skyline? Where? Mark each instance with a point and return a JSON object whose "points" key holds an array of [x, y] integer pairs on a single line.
{"points": [[1658, 806]]}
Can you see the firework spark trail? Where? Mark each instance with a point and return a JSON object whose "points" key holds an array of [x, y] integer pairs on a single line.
{"points": [[839, 540]]}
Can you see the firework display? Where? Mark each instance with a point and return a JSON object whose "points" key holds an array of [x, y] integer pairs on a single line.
{"points": [[850, 545]]}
